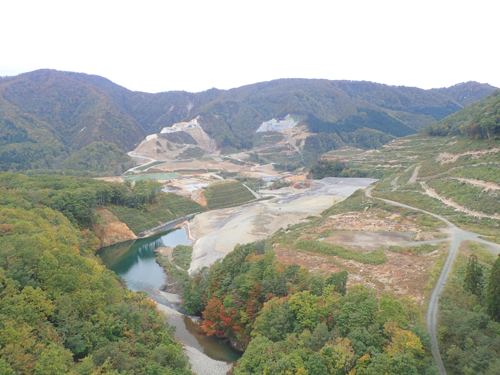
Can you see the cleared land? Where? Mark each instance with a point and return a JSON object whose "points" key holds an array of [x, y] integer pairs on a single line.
{"points": [[217, 232]]}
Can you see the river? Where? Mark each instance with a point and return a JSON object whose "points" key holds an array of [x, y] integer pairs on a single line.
{"points": [[134, 262]]}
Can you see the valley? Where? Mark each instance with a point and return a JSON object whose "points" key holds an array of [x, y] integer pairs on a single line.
{"points": [[396, 251], [324, 223]]}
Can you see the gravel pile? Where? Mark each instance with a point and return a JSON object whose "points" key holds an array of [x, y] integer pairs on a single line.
{"points": [[203, 365]]}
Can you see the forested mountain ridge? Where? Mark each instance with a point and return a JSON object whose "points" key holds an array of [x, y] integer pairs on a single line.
{"points": [[480, 119], [48, 115]]}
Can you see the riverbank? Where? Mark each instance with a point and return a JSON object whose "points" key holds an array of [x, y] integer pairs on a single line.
{"points": [[201, 364], [135, 261]]}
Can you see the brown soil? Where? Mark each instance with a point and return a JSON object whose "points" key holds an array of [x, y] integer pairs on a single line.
{"points": [[432, 193], [199, 197], [446, 157], [199, 164], [369, 240], [402, 274], [168, 251], [487, 186], [111, 230], [111, 179], [356, 221]]}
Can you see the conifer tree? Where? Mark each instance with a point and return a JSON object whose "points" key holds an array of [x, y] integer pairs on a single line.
{"points": [[474, 277], [493, 292]]}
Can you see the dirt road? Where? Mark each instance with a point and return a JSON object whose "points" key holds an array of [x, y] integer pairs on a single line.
{"points": [[218, 232], [457, 236]]}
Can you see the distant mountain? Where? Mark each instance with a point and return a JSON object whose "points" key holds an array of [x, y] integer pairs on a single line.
{"points": [[480, 119], [467, 92], [48, 115]]}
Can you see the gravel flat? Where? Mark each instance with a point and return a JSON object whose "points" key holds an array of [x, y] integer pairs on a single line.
{"points": [[203, 365]]}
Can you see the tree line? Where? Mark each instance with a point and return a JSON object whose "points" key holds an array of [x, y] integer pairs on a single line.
{"points": [[292, 321]]}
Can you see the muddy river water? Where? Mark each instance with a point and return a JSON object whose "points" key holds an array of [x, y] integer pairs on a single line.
{"points": [[134, 261]]}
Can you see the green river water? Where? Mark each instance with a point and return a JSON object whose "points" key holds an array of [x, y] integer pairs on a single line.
{"points": [[135, 262]]}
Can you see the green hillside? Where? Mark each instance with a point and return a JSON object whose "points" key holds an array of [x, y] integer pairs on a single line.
{"points": [[456, 177], [141, 207], [480, 119], [226, 194], [47, 115], [101, 157], [61, 311]]}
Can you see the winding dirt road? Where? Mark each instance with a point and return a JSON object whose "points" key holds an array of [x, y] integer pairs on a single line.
{"points": [[457, 236]]}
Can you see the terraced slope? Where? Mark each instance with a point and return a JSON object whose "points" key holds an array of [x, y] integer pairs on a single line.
{"points": [[453, 176], [226, 194]]}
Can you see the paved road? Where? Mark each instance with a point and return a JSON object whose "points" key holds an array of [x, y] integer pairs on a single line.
{"points": [[457, 235]]}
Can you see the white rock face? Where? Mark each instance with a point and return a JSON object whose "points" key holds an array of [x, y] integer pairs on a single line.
{"points": [[277, 125], [181, 126], [151, 136]]}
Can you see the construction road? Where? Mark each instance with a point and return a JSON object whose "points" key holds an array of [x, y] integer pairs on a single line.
{"points": [[457, 236]]}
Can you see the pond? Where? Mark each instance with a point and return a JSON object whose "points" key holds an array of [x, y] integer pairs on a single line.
{"points": [[134, 261]]}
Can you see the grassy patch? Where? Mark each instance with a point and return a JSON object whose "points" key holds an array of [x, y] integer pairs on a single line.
{"points": [[155, 176], [374, 257], [429, 223], [144, 167], [434, 273], [357, 202], [224, 194], [478, 250], [234, 161], [252, 182], [194, 171], [421, 249], [182, 256], [169, 207], [278, 184], [488, 172], [225, 174], [190, 153], [469, 196], [491, 239], [417, 200], [176, 277], [287, 237]]}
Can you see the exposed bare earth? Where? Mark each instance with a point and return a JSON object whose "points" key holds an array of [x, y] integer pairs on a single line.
{"points": [[369, 240], [366, 222], [111, 230], [446, 157], [196, 164], [487, 186], [167, 252], [218, 232], [414, 175], [404, 274], [432, 193]]}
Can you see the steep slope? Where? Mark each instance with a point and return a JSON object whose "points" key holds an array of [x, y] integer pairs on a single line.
{"points": [[99, 157], [80, 109], [480, 119], [47, 115], [235, 115]]}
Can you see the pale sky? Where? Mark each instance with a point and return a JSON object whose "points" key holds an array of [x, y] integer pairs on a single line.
{"points": [[156, 46]]}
